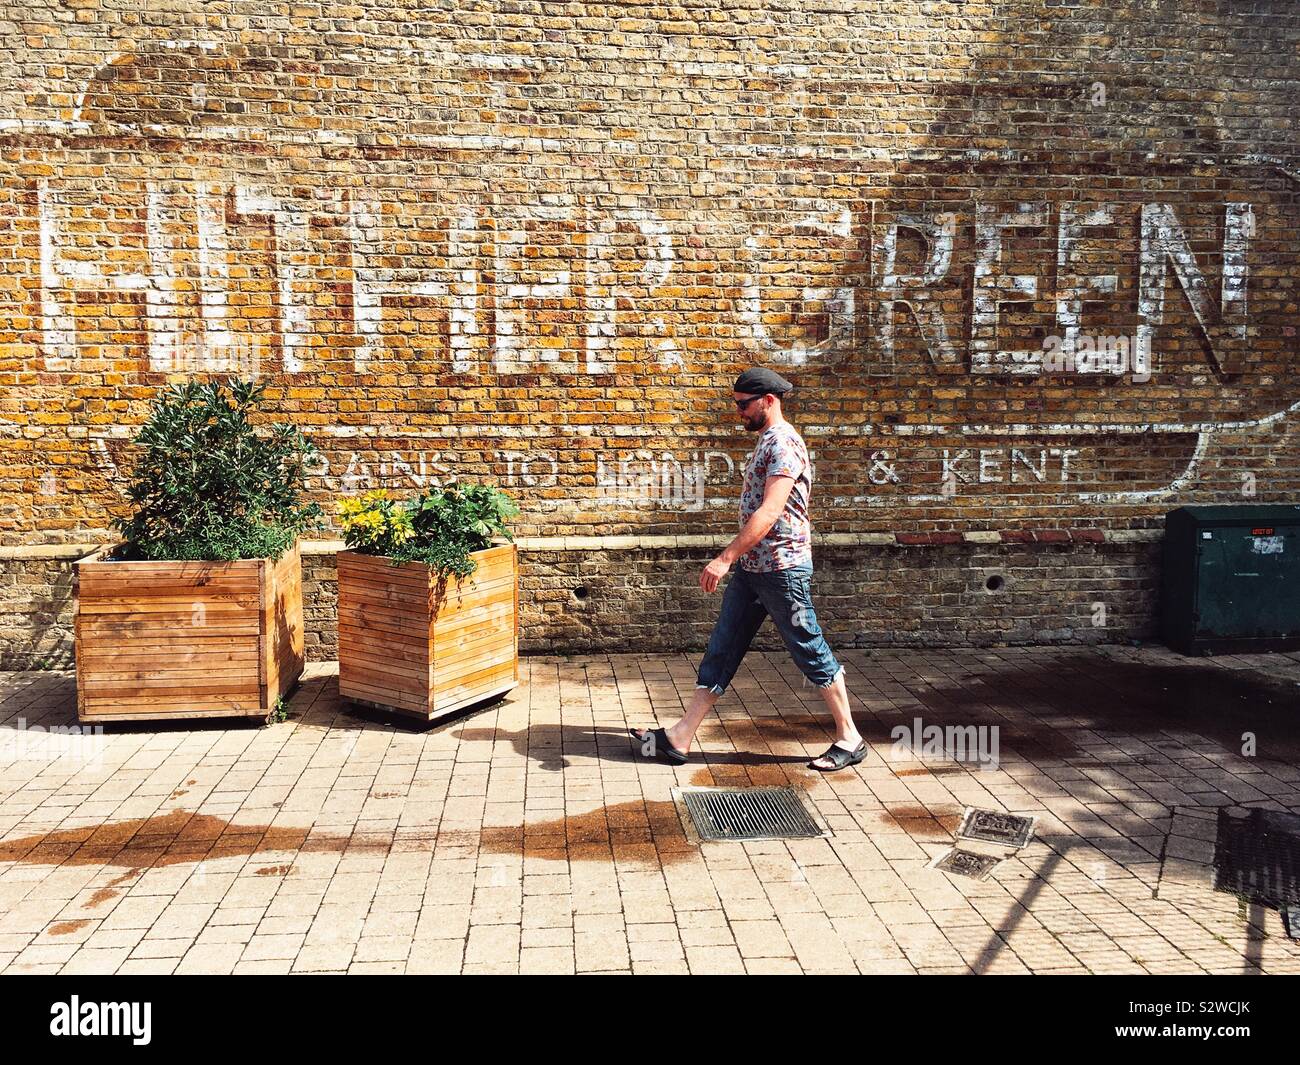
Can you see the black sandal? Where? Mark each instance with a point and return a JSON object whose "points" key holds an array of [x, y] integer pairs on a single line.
{"points": [[659, 746], [839, 758]]}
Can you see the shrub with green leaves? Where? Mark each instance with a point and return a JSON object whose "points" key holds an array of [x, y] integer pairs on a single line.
{"points": [[441, 527], [208, 486]]}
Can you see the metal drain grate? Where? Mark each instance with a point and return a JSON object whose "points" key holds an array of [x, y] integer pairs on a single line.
{"points": [[1257, 856], [966, 863], [748, 813], [993, 826]]}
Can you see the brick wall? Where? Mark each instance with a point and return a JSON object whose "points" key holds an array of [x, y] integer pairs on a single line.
{"points": [[646, 600], [36, 609], [1032, 265]]}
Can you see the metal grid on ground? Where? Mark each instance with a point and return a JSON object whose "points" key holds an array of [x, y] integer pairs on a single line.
{"points": [[1257, 856], [966, 863], [748, 813], [994, 826]]}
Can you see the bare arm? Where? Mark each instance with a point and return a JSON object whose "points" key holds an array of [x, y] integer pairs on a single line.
{"points": [[775, 494]]}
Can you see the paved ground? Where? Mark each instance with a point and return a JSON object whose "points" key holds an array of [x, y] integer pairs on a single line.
{"points": [[529, 838]]}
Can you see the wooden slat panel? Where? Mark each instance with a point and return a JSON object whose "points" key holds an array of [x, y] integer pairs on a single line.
{"points": [[474, 583], [475, 637], [176, 646], [455, 672], [193, 613], [211, 650], [497, 643], [384, 615], [472, 693], [219, 605], [379, 676], [385, 696], [365, 658], [485, 615], [153, 674], [357, 658], [140, 655], [383, 595], [130, 628], [514, 555], [385, 643], [477, 665], [450, 614], [470, 672], [358, 558], [415, 614], [168, 571], [493, 574], [447, 610], [116, 710], [282, 625], [78, 644], [404, 648], [106, 712], [157, 588], [383, 632], [389, 647], [176, 688], [442, 708], [385, 576], [415, 572], [378, 569], [175, 705], [381, 623], [371, 595]]}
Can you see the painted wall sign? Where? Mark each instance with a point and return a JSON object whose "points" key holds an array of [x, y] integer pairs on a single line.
{"points": [[1024, 339]]}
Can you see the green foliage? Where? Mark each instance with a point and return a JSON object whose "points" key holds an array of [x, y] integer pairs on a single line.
{"points": [[441, 527], [207, 486], [279, 712]]}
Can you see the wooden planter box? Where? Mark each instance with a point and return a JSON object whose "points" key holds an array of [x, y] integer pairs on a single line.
{"points": [[186, 639], [422, 647]]}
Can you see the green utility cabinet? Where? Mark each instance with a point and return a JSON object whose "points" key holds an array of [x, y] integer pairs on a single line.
{"points": [[1232, 579]]}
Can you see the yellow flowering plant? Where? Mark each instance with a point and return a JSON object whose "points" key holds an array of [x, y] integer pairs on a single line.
{"points": [[441, 527], [373, 523]]}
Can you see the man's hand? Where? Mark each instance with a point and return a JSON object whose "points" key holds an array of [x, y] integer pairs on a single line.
{"points": [[714, 572], [775, 493]]}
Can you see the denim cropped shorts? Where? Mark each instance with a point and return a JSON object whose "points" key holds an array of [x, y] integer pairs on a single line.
{"points": [[785, 595]]}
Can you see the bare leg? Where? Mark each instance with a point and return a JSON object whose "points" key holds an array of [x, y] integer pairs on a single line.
{"points": [[682, 734], [837, 702]]}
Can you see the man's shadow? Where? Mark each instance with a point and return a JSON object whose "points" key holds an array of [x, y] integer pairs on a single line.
{"points": [[552, 747]]}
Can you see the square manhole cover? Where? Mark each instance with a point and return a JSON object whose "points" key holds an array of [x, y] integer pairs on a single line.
{"points": [[992, 826], [966, 863], [748, 813], [1257, 856]]}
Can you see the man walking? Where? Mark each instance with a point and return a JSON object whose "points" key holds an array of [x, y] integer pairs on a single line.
{"points": [[774, 551]]}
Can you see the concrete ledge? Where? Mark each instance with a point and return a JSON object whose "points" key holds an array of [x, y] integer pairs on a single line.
{"points": [[322, 547], [1134, 536], [71, 552], [48, 552]]}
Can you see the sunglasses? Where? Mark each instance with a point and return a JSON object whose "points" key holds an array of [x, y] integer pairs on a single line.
{"points": [[741, 404]]}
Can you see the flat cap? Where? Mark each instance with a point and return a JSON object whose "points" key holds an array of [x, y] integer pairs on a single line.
{"points": [[758, 381]]}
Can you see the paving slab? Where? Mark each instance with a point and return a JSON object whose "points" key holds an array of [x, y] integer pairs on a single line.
{"points": [[528, 837]]}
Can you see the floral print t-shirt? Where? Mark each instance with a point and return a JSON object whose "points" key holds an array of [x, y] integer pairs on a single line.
{"points": [[780, 452]]}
